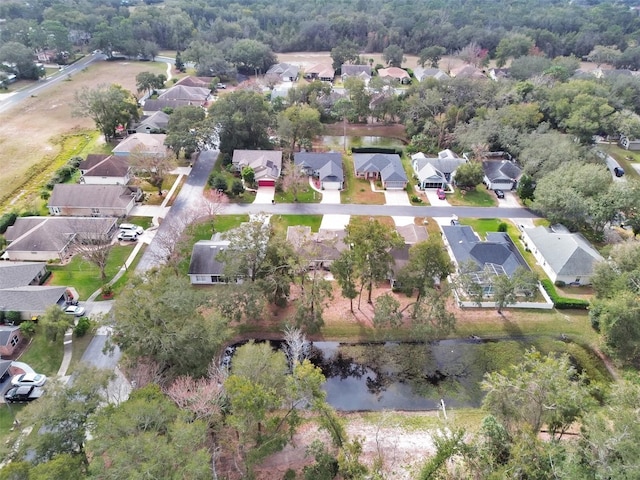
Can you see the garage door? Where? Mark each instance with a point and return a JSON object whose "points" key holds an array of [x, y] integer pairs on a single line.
{"points": [[266, 183], [331, 185]]}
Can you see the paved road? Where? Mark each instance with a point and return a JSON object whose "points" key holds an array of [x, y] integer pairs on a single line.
{"points": [[173, 224], [376, 210], [9, 101]]}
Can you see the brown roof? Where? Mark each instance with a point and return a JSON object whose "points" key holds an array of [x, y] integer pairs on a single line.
{"points": [[393, 72], [112, 166], [321, 70], [413, 233], [202, 82], [92, 160], [142, 143]]}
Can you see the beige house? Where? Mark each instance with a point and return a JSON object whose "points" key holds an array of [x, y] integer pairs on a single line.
{"points": [[73, 200]]}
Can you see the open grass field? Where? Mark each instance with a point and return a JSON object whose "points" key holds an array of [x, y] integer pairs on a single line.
{"points": [[40, 134]]}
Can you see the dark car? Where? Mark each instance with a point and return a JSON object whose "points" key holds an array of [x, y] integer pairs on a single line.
{"points": [[23, 394], [499, 193], [618, 171]]}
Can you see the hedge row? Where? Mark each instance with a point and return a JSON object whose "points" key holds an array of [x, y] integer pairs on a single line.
{"points": [[563, 303], [389, 150]]}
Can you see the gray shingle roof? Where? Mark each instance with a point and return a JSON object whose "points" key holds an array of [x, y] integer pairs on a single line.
{"points": [[388, 165], [446, 162], [112, 166], [203, 257], [15, 274], [566, 253], [157, 120], [92, 160], [89, 196], [31, 298], [501, 170], [328, 165], [265, 163], [152, 105], [498, 249], [197, 95], [284, 70], [355, 70]]}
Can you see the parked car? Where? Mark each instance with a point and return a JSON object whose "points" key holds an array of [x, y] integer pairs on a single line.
{"points": [[131, 227], [128, 236], [28, 379], [499, 193], [23, 394], [618, 171], [74, 310], [221, 86], [441, 194]]}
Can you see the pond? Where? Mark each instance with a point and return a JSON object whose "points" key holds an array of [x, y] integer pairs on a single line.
{"points": [[415, 376], [337, 141]]}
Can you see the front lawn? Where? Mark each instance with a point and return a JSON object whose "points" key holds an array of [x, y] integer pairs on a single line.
{"points": [[358, 190], [624, 158], [480, 197], [144, 222], [305, 195], [85, 276], [42, 355], [281, 222]]}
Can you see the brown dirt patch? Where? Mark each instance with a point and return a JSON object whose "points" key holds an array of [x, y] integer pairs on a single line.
{"points": [[31, 130]]}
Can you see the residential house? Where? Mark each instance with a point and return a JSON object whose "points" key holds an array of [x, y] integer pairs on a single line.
{"points": [[327, 101], [363, 72], [396, 74], [84, 200], [468, 71], [325, 166], [21, 291], [141, 144], [564, 256], [412, 234], [281, 91], [423, 74], [497, 255], [110, 170], [10, 338], [628, 143], [156, 105], [157, 122], [189, 81], [381, 166], [283, 72], [266, 164], [501, 174], [51, 238], [322, 72], [435, 172], [321, 249], [205, 268], [195, 95]]}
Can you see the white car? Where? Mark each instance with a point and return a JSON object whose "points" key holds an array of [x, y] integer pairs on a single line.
{"points": [[74, 310], [29, 379], [128, 235], [131, 227]]}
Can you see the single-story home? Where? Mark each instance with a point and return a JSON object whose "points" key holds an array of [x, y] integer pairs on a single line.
{"points": [[283, 72], [141, 144], [205, 268], [281, 91], [445, 164], [362, 72], [19, 274], [395, 73], [320, 249], [322, 72], [501, 174], [50, 238], [82, 200], [152, 105], [383, 166], [627, 143], [497, 255], [157, 122], [564, 256], [266, 164], [412, 234], [110, 170], [196, 95], [325, 166], [423, 74], [468, 71], [189, 81]]}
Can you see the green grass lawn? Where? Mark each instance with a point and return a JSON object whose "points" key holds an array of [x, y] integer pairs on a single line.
{"points": [[144, 222], [281, 222], [480, 197], [306, 195], [85, 276], [42, 355], [624, 158], [122, 281]]}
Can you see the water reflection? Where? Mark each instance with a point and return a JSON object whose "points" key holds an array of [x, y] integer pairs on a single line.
{"points": [[337, 141]]}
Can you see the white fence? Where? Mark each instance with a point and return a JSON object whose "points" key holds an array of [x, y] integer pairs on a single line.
{"points": [[546, 305]]}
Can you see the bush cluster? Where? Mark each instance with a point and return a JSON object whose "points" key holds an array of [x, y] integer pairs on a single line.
{"points": [[64, 173], [563, 303], [7, 220]]}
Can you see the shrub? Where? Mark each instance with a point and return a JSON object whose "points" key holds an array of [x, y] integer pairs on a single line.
{"points": [[12, 317], [502, 227], [236, 187], [560, 283], [7, 220], [563, 303], [28, 329], [416, 199], [82, 327]]}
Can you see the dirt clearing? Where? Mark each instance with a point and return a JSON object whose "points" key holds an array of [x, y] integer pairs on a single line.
{"points": [[31, 132]]}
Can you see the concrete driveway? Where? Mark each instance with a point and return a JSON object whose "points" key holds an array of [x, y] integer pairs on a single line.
{"points": [[432, 196], [334, 222], [396, 197], [510, 200], [265, 195], [330, 196]]}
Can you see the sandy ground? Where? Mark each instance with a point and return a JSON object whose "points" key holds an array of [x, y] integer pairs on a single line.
{"points": [[31, 131]]}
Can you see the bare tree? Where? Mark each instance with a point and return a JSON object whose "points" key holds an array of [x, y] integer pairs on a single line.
{"points": [[91, 242], [153, 166], [294, 179], [295, 342], [213, 203]]}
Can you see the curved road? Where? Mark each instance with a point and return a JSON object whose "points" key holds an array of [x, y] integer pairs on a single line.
{"points": [[9, 101]]}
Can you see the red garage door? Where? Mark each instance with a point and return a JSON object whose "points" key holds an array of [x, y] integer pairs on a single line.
{"points": [[266, 183]]}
